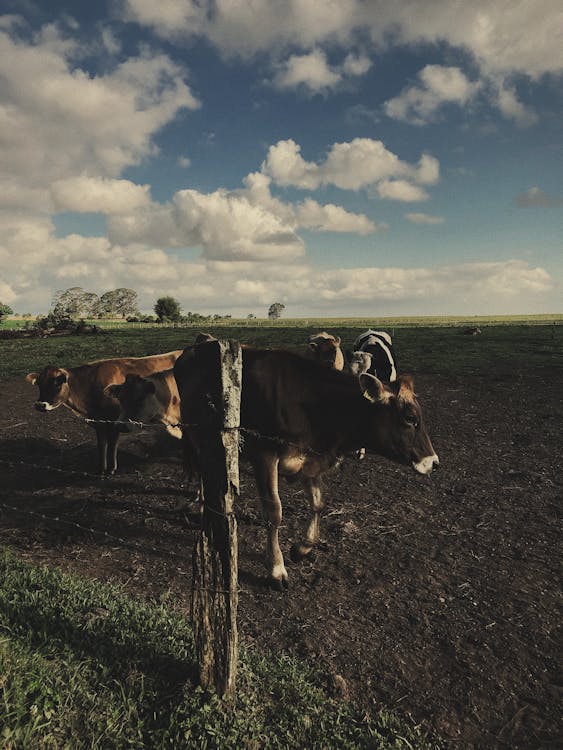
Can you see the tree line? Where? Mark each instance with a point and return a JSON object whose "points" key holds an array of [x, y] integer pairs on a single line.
{"points": [[75, 303]]}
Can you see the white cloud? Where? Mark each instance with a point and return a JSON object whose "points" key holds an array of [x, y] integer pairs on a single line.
{"points": [[521, 37], [401, 190], [331, 218], [438, 85], [512, 108], [58, 122], [311, 71], [34, 263], [225, 225], [356, 65], [245, 224], [360, 163], [421, 218], [99, 194]]}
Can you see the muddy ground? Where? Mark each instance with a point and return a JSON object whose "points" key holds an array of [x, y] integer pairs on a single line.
{"points": [[433, 596]]}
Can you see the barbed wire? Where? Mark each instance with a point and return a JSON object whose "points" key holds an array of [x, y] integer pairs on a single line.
{"points": [[123, 542]]}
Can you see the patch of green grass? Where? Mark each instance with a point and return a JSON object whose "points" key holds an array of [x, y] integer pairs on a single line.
{"points": [[441, 350], [82, 665]]}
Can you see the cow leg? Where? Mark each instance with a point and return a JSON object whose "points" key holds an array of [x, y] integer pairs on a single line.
{"points": [[266, 472], [300, 549], [102, 436], [113, 440]]}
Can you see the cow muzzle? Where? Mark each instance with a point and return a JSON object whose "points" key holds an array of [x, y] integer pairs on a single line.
{"points": [[45, 406], [426, 465]]}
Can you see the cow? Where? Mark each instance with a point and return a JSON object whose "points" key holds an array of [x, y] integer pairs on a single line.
{"points": [[471, 331], [325, 348], [81, 389], [299, 418], [380, 346], [150, 400], [153, 399]]}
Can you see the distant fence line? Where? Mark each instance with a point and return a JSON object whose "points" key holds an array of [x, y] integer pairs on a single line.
{"points": [[431, 321]]}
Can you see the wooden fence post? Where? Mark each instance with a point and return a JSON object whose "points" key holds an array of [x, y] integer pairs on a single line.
{"points": [[216, 411]]}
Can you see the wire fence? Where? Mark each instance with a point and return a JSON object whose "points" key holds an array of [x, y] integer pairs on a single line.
{"points": [[115, 483]]}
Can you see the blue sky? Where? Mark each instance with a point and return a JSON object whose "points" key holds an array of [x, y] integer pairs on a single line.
{"points": [[344, 158]]}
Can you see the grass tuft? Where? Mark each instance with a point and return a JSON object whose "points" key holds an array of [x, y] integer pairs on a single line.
{"points": [[82, 665]]}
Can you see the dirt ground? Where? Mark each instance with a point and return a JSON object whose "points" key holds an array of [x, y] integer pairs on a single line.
{"points": [[433, 596]]}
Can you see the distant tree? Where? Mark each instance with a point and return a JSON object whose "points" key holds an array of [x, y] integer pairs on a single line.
{"points": [[119, 302], [275, 310], [168, 310], [5, 310], [251, 316], [73, 303]]}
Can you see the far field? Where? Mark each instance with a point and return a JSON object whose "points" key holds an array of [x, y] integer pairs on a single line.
{"points": [[434, 598]]}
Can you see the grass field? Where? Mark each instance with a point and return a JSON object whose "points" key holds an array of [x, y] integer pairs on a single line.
{"points": [[420, 348], [85, 666]]}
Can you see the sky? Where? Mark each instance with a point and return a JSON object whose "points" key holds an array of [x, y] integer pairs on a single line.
{"points": [[342, 157]]}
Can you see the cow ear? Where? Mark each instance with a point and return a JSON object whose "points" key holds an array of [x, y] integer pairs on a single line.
{"points": [[373, 389], [338, 340], [149, 387], [313, 345], [62, 378], [112, 391], [406, 388], [31, 377]]}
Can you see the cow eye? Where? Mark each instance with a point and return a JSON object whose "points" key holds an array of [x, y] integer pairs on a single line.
{"points": [[411, 420]]}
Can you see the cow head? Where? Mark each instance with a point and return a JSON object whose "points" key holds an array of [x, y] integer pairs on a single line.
{"points": [[359, 362], [137, 399], [326, 349], [397, 431], [53, 387]]}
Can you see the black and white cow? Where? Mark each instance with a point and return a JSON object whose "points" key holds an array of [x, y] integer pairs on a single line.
{"points": [[379, 346]]}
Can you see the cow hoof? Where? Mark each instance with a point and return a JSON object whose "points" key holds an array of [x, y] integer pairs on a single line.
{"points": [[278, 584], [299, 550]]}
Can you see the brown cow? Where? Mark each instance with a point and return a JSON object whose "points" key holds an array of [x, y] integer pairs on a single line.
{"points": [[325, 348], [150, 400], [309, 416], [81, 389]]}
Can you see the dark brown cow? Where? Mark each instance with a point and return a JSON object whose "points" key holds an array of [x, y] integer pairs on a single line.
{"points": [[310, 416], [325, 348], [81, 389]]}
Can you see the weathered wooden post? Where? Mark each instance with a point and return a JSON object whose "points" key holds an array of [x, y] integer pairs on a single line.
{"points": [[216, 411]]}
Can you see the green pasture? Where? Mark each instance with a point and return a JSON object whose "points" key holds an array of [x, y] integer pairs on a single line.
{"points": [[502, 347], [82, 665]]}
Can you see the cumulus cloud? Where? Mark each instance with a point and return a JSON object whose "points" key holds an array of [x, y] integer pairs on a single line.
{"points": [[58, 122], [99, 194], [437, 85], [357, 164], [500, 39], [521, 38], [401, 190], [506, 99], [312, 71], [244, 224], [34, 263], [331, 218]]}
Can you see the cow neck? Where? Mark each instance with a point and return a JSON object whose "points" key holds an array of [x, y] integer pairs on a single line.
{"points": [[76, 405], [164, 396]]}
